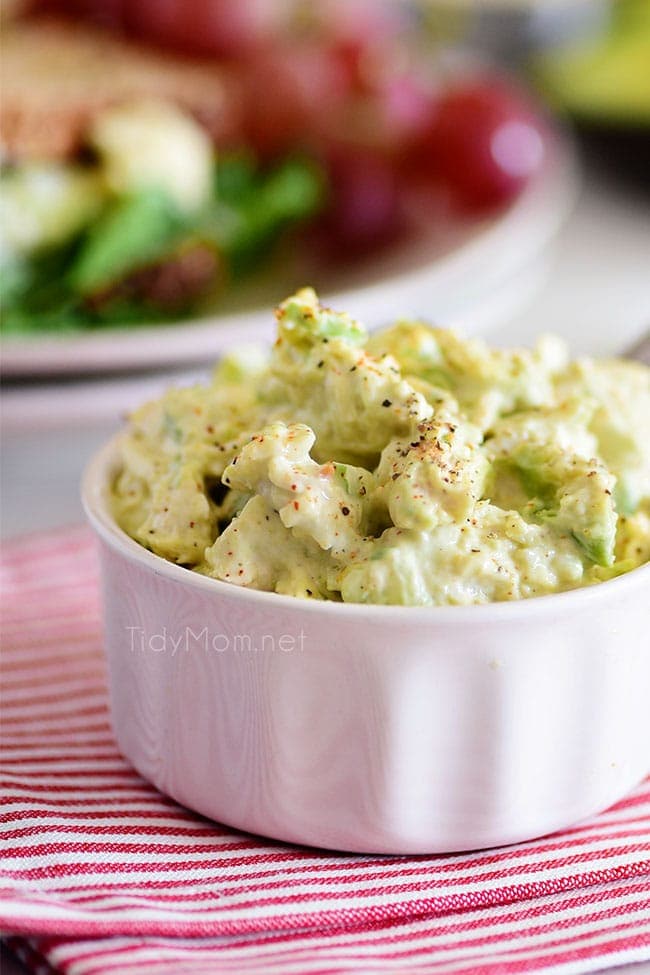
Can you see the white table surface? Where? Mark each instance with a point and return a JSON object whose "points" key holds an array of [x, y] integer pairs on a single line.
{"points": [[598, 291]]}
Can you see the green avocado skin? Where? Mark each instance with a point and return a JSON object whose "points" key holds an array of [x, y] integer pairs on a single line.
{"points": [[606, 81]]}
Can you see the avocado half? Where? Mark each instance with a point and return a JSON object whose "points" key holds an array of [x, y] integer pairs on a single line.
{"points": [[603, 86], [607, 81]]}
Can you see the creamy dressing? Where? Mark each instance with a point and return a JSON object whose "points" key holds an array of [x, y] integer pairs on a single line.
{"points": [[409, 467]]}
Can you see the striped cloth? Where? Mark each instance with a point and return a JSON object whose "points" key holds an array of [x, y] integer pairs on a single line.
{"points": [[102, 874]]}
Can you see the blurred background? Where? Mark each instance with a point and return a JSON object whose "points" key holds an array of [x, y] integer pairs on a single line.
{"points": [[171, 170]]}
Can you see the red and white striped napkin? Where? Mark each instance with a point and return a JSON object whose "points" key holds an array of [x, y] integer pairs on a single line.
{"points": [[102, 874]]}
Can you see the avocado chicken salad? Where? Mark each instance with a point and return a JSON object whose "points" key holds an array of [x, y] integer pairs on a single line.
{"points": [[409, 466]]}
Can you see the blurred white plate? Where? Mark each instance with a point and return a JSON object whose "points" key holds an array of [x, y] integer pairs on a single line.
{"points": [[442, 277]]}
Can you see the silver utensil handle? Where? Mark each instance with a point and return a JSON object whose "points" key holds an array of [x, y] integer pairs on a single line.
{"points": [[640, 350]]}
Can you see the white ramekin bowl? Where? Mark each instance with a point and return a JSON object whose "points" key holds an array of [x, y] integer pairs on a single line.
{"points": [[370, 728]]}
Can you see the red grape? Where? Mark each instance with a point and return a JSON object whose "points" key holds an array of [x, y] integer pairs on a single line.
{"points": [[402, 110], [365, 207], [229, 28], [484, 142], [293, 95], [387, 104], [360, 22]]}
